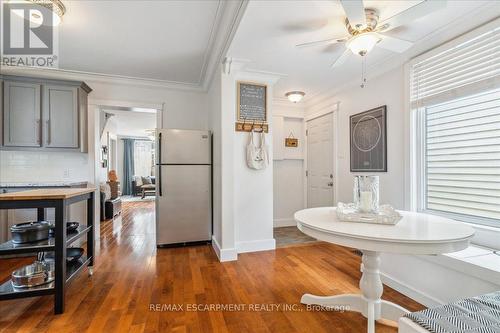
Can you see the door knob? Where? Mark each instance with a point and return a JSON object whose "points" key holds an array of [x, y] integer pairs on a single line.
{"points": [[330, 184]]}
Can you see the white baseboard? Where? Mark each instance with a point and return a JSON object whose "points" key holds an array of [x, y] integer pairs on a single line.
{"points": [[410, 292], [257, 245], [224, 254], [287, 222]]}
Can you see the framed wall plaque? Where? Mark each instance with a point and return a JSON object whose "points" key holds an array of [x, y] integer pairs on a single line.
{"points": [[368, 140], [252, 102]]}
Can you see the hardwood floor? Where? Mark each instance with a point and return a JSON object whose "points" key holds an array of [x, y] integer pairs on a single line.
{"points": [[132, 280]]}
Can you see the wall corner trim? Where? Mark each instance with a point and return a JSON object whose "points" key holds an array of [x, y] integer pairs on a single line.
{"points": [[224, 254]]}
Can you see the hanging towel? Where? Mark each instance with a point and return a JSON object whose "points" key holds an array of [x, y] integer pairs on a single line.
{"points": [[257, 156]]}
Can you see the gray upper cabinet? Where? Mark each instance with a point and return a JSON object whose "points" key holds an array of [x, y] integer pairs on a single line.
{"points": [[61, 117], [21, 114], [43, 113]]}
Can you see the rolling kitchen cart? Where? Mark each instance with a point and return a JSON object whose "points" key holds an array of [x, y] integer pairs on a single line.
{"points": [[59, 199]]}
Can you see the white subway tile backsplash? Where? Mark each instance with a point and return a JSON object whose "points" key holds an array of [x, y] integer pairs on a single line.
{"points": [[32, 166]]}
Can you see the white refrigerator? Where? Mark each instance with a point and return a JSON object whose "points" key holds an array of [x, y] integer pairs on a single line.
{"points": [[184, 186]]}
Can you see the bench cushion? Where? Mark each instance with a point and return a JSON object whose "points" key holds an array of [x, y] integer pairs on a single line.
{"points": [[476, 314]]}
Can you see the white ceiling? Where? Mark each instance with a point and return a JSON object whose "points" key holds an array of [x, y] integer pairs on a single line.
{"points": [[269, 31], [161, 40]]}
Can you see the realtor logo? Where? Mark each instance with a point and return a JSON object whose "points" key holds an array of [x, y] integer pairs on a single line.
{"points": [[28, 35]]}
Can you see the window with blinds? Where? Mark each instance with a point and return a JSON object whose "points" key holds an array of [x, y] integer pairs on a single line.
{"points": [[462, 157], [455, 93], [469, 67]]}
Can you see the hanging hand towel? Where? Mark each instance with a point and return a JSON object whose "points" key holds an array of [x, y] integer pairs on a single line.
{"points": [[257, 157]]}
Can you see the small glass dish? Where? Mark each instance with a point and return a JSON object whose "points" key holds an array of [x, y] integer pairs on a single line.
{"points": [[349, 213]]}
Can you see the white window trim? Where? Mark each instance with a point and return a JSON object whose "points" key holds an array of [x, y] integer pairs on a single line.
{"points": [[486, 235]]}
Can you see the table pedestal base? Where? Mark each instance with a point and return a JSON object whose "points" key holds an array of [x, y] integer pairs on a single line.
{"points": [[369, 303]]}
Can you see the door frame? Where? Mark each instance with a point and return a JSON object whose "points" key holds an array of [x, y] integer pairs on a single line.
{"points": [[334, 110], [94, 108]]}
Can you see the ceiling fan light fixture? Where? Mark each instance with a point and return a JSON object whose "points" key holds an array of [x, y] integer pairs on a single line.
{"points": [[55, 6], [363, 43], [295, 96]]}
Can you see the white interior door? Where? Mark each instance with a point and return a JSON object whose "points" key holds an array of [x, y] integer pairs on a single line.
{"points": [[320, 161]]}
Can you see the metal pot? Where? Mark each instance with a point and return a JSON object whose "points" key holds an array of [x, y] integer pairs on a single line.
{"points": [[30, 232], [38, 273]]}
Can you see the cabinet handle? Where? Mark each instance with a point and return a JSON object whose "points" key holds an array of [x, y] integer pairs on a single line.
{"points": [[48, 131]]}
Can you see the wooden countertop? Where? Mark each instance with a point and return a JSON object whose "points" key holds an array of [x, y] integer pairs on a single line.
{"points": [[46, 193]]}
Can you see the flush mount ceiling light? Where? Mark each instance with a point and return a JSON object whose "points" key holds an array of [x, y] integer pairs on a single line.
{"points": [[295, 96], [363, 43], [55, 6]]}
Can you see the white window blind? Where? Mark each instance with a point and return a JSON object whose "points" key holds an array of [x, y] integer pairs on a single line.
{"points": [[455, 93], [462, 153], [467, 65]]}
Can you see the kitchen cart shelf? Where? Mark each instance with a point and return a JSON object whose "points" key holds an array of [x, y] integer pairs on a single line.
{"points": [[13, 248], [7, 290], [82, 230], [73, 269], [59, 199], [44, 245]]}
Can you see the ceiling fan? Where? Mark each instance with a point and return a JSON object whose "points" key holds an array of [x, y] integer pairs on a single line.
{"points": [[365, 30]]}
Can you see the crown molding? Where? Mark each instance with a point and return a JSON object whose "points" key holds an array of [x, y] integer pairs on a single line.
{"points": [[426, 43], [270, 78], [214, 32], [230, 65], [62, 74], [231, 14], [226, 22]]}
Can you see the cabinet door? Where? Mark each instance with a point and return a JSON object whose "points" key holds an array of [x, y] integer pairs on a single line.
{"points": [[21, 114], [1, 114], [84, 122], [60, 115]]}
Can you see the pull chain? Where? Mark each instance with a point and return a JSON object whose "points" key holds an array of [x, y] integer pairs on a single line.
{"points": [[363, 71]]}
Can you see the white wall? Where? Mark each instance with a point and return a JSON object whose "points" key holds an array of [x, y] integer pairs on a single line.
{"points": [[253, 189], [183, 109], [387, 89], [288, 191], [245, 222], [289, 173]]}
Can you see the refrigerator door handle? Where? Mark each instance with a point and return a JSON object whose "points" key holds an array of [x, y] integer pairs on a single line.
{"points": [[159, 165]]}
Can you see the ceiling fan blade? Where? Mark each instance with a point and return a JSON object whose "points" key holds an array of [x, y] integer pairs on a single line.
{"points": [[341, 59], [322, 42], [355, 12], [394, 44], [411, 14]]}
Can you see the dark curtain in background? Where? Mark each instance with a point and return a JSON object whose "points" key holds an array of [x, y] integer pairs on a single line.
{"points": [[128, 165]]}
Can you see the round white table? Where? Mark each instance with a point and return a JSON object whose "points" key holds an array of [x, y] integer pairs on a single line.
{"points": [[415, 233]]}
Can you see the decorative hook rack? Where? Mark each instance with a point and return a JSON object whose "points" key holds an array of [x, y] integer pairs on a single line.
{"points": [[245, 126]]}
